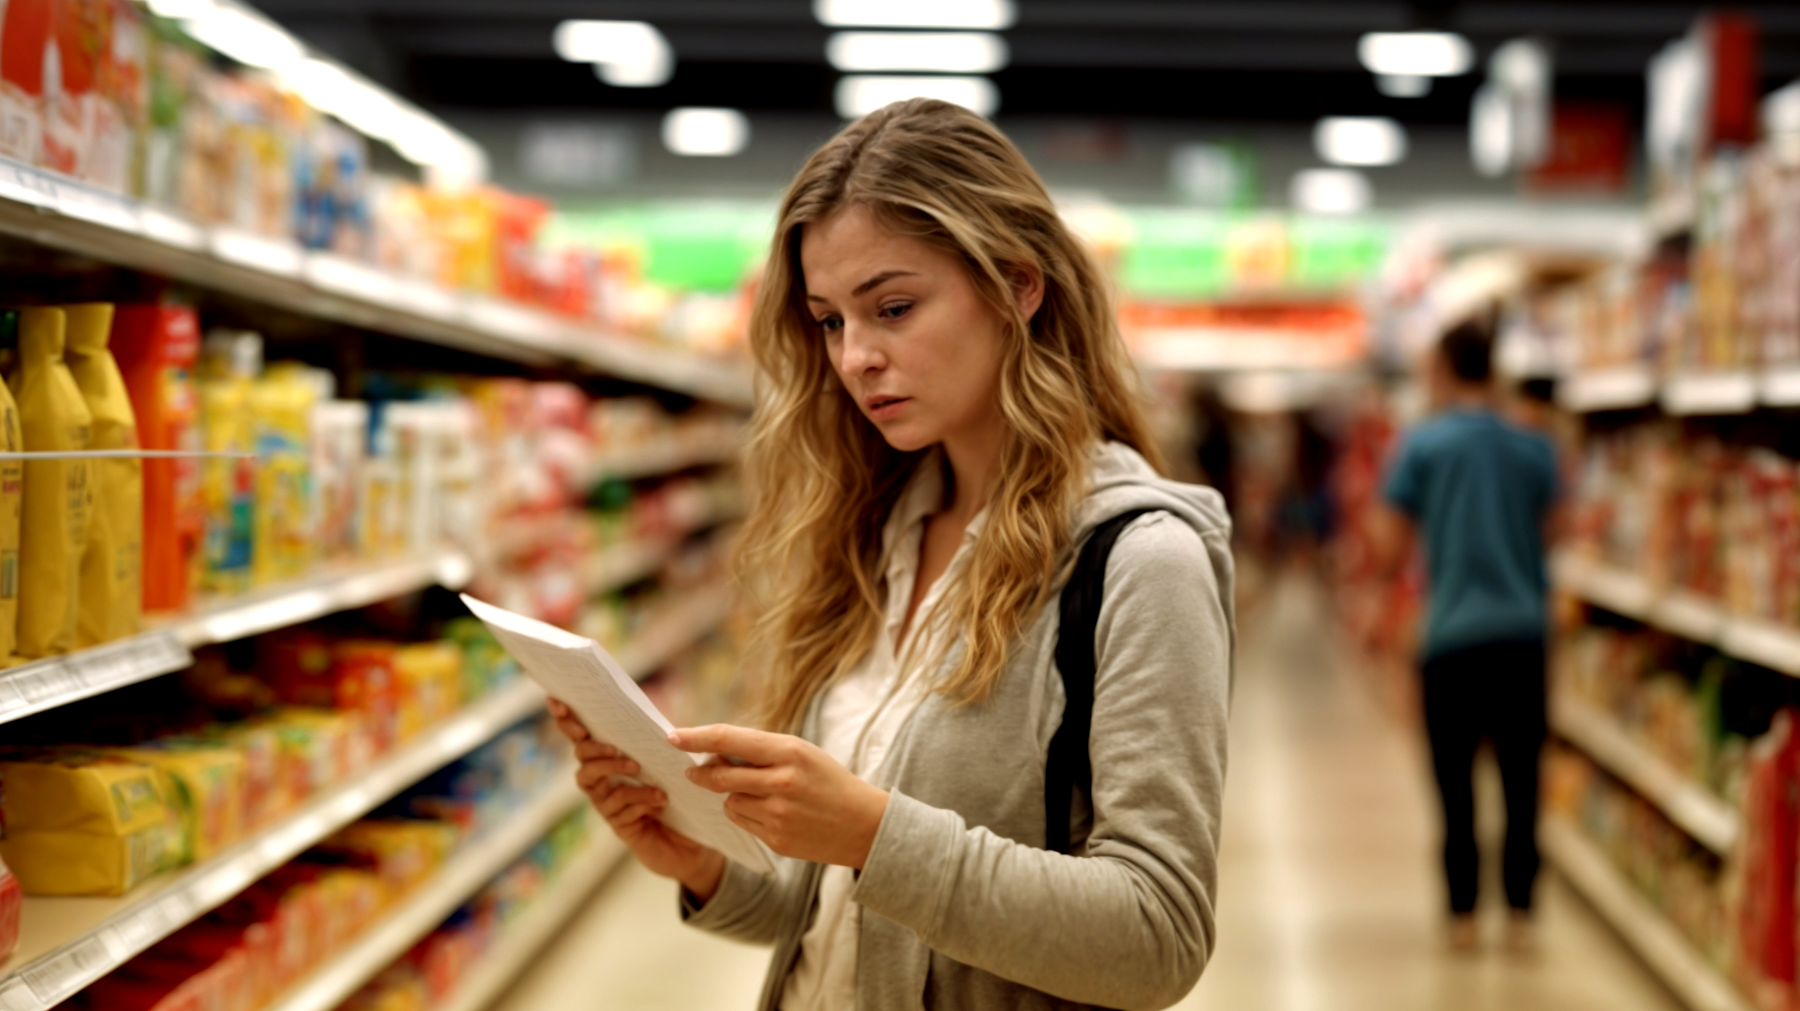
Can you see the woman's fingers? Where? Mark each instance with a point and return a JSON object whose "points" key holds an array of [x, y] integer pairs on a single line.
{"points": [[627, 796], [572, 728], [720, 777], [592, 773], [757, 747]]}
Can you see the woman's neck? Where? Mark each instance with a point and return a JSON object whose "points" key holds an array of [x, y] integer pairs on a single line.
{"points": [[974, 462]]}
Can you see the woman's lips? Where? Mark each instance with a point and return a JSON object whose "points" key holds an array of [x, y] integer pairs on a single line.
{"points": [[886, 408]]}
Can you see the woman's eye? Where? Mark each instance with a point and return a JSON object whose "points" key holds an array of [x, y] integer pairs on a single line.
{"points": [[895, 310], [831, 324]]}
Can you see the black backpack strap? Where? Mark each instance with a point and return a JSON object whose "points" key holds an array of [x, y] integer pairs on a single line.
{"points": [[1067, 766]]}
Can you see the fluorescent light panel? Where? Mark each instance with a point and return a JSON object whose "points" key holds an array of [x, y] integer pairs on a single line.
{"points": [[940, 52], [858, 95], [707, 133], [625, 54], [1425, 54], [1359, 140], [246, 37], [988, 15], [1330, 191]]}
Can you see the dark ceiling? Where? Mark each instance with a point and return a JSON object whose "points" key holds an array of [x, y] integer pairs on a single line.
{"points": [[1268, 60]]}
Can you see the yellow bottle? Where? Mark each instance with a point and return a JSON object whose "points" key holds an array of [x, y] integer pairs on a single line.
{"points": [[12, 501], [112, 597], [284, 532], [58, 497]]}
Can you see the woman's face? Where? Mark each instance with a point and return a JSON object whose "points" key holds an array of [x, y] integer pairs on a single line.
{"points": [[916, 346]]}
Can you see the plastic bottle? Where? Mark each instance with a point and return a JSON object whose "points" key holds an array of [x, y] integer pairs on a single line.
{"points": [[58, 497], [112, 594], [230, 361], [157, 347], [12, 501]]}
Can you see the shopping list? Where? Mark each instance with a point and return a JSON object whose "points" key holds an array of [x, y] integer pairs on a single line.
{"points": [[615, 710]]}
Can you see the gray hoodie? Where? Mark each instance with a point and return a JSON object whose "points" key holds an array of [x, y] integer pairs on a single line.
{"points": [[962, 907]]}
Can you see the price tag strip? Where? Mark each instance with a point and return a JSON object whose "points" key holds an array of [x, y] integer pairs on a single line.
{"points": [[162, 906], [55, 681]]}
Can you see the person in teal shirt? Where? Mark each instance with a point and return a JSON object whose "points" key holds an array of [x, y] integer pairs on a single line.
{"points": [[1479, 491]]}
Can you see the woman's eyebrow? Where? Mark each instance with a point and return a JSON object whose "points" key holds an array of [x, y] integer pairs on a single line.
{"points": [[867, 286]]}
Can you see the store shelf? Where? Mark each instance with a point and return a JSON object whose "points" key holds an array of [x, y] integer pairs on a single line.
{"points": [[1733, 392], [665, 456], [1657, 942], [1612, 389], [522, 942], [57, 681], [51, 210], [67, 943], [1776, 647], [1673, 214], [1692, 807], [397, 930], [679, 625]]}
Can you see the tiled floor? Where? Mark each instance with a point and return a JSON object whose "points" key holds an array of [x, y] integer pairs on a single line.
{"points": [[1329, 896]]}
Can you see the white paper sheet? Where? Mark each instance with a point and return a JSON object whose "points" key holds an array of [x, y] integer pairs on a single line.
{"points": [[615, 710]]}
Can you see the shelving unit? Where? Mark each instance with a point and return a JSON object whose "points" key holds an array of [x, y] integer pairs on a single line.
{"points": [[1656, 941], [664, 457], [1691, 806], [70, 942], [525, 940], [480, 860], [67, 943], [1760, 642], [57, 681], [1628, 387], [57, 212]]}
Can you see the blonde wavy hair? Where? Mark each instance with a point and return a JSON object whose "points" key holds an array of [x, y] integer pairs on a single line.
{"points": [[821, 478]]}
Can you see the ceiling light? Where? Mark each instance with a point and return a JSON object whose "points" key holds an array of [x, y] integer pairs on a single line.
{"points": [[1403, 85], [246, 37], [1359, 140], [1330, 191], [1429, 54], [625, 54], [1491, 131], [943, 52], [992, 15], [859, 95], [713, 133]]}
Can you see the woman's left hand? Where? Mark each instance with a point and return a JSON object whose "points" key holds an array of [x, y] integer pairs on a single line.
{"points": [[790, 794]]}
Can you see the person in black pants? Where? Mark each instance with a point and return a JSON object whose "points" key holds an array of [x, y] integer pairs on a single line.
{"points": [[1479, 491]]}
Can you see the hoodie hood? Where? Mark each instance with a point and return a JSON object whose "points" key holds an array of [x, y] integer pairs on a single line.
{"points": [[1123, 481]]}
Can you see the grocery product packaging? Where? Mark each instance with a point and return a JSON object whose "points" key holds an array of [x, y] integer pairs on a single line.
{"points": [[207, 794], [25, 47], [340, 436], [157, 348], [58, 493], [12, 903], [429, 675], [230, 361], [12, 500], [362, 679], [283, 530], [80, 823], [112, 592]]}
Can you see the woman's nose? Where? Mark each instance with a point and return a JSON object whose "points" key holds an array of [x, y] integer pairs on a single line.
{"points": [[862, 353]]}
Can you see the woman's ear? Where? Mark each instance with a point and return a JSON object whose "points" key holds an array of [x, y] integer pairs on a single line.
{"points": [[1027, 281]]}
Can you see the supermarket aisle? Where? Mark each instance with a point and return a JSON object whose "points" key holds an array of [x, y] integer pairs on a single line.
{"points": [[1329, 895]]}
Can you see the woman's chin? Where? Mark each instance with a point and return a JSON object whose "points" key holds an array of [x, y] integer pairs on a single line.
{"points": [[905, 438]]}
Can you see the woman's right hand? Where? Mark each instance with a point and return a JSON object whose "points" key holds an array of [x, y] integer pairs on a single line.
{"points": [[632, 811]]}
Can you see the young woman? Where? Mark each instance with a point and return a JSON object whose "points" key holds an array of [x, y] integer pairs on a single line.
{"points": [[946, 411]]}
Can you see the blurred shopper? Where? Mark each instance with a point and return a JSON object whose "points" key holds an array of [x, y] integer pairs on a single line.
{"points": [[1479, 490], [947, 413]]}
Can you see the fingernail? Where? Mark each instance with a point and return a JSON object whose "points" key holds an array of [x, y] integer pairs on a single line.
{"points": [[675, 738], [694, 773]]}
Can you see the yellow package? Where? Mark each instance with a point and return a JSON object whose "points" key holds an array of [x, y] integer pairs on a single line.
{"points": [[208, 793], [12, 501], [79, 823], [404, 851], [259, 745], [230, 361], [429, 675], [58, 495], [282, 543], [112, 595]]}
